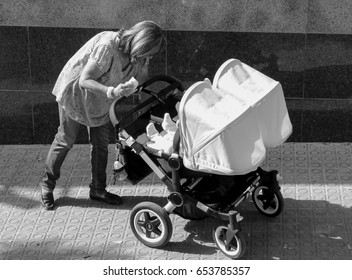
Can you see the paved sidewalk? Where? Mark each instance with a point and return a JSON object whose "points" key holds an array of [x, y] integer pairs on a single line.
{"points": [[316, 222]]}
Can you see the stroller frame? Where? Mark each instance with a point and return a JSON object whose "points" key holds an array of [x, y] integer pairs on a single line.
{"points": [[151, 223]]}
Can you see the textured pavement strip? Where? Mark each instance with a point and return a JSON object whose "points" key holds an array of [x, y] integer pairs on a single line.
{"points": [[316, 222]]}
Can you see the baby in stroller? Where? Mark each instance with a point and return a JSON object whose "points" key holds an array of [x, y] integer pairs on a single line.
{"points": [[148, 140], [162, 141]]}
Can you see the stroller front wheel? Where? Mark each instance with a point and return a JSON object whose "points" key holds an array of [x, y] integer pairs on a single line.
{"points": [[151, 224], [233, 248], [269, 203]]}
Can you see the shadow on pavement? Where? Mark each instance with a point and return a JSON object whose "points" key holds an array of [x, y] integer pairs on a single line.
{"points": [[306, 229]]}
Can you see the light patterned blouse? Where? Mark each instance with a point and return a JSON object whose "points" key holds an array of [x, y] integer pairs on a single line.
{"points": [[81, 105]]}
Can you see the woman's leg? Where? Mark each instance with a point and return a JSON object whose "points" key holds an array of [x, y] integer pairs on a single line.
{"points": [[63, 142], [99, 140]]}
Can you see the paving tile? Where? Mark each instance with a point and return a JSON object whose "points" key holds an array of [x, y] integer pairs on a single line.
{"points": [[316, 222]]}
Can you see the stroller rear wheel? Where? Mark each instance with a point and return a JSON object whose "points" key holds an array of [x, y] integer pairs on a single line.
{"points": [[151, 224], [233, 248], [268, 202]]}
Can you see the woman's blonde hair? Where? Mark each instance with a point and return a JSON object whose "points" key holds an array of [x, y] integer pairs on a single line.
{"points": [[141, 41]]}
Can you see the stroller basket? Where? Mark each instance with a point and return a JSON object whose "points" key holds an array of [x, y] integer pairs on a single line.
{"points": [[194, 193]]}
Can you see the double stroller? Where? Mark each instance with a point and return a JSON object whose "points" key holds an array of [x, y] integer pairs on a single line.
{"points": [[213, 163]]}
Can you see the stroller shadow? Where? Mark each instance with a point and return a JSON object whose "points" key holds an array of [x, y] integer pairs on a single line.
{"points": [[196, 240], [305, 230]]}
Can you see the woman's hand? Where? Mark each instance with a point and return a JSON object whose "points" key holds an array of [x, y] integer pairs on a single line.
{"points": [[125, 89], [121, 90]]}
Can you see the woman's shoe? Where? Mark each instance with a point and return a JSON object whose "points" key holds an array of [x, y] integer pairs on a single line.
{"points": [[106, 197], [47, 199]]}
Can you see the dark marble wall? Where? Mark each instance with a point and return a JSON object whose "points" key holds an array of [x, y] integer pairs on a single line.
{"points": [[314, 69]]}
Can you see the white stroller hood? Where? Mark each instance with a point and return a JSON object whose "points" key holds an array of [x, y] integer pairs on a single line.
{"points": [[226, 127]]}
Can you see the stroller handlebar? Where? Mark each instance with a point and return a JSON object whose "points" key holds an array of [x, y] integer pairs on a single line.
{"points": [[126, 110], [162, 78]]}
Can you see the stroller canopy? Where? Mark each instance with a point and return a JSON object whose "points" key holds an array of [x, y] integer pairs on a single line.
{"points": [[226, 127]]}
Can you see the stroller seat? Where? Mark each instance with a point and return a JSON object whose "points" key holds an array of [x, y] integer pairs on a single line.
{"points": [[138, 131]]}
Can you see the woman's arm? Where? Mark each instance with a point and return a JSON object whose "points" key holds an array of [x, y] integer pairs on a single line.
{"points": [[89, 76], [88, 80]]}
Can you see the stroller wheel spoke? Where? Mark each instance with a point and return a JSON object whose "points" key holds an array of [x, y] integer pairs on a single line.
{"points": [[146, 216], [148, 234], [230, 247], [266, 205], [263, 199], [155, 222], [272, 204], [141, 224], [157, 231], [222, 234]]}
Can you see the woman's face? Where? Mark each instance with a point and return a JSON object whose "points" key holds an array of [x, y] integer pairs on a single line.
{"points": [[147, 60]]}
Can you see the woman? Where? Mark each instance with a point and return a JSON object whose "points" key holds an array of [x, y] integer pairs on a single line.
{"points": [[92, 79]]}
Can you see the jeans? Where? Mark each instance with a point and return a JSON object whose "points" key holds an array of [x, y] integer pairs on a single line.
{"points": [[63, 142]]}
